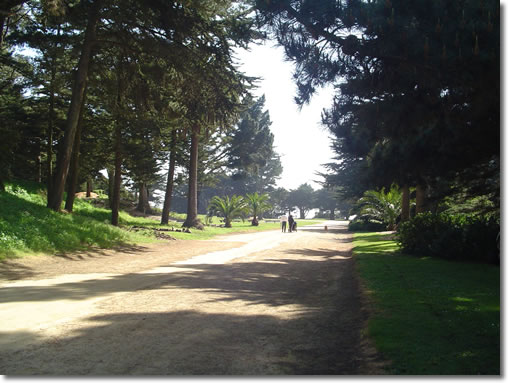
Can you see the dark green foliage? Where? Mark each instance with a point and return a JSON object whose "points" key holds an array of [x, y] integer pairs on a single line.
{"points": [[417, 84], [252, 142], [380, 206], [278, 199], [255, 164], [155, 67], [457, 237], [365, 225], [303, 198], [326, 199]]}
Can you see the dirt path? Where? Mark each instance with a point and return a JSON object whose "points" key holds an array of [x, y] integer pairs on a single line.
{"points": [[256, 304]]}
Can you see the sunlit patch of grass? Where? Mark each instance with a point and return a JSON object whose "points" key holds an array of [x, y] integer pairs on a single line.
{"points": [[28, 227], [430, 316], [212, 231]]}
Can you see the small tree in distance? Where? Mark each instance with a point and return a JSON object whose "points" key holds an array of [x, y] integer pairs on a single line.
{"points": [[302, 198], [229, 208], [258, 204], [325, 200]]}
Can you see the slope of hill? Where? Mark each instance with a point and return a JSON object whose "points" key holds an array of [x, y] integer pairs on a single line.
{"points": [[27, 226]]}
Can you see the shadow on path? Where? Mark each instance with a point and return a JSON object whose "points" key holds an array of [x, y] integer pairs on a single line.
{"points": [[314, 326], [190, 342], [297, 312]]}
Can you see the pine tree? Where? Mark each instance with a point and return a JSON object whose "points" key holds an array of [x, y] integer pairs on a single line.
{"points": [[418, 83]]}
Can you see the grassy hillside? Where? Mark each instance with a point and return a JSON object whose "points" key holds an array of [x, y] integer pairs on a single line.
{"points": [[27, 227]]}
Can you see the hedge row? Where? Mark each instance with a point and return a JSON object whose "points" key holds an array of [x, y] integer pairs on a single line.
{"points": [[457, 237]]}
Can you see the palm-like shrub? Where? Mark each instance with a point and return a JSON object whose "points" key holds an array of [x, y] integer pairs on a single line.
{"points": [[229, 208], [380, 206], [258, 204]]}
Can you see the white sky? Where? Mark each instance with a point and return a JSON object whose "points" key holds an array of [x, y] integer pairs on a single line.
{"points": [[300, 139]]}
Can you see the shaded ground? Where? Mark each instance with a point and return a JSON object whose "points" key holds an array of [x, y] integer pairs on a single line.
{"points": [[257, 304]]}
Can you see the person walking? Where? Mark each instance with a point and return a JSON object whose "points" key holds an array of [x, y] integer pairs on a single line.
{"points": [[283, 221], [290, 222]]}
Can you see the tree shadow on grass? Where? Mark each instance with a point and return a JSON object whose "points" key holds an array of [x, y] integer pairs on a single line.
{"points": [[375, 237], [379, 248]]}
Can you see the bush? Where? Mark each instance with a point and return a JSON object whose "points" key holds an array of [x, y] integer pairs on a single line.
{"points": [[362, 225], [457, 237]]}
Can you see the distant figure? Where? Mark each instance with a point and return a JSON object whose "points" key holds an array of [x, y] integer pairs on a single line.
{"points": [[283, 222], [291, 222]]}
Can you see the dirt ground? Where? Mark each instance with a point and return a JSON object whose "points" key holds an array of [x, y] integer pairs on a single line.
{"points": [[250, 304]]}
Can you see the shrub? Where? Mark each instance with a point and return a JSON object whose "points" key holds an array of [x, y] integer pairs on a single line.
{"points": [[457, 237], [363, 225], [229, 208], [380, 206]]}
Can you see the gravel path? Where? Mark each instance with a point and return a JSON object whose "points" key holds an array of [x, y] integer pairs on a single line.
{"points": [[251, 304]]}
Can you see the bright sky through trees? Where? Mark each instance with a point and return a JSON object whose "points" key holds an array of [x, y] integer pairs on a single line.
{"points": [[301, 141]]}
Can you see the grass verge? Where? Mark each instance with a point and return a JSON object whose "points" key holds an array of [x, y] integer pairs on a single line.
{"points": [[430, 316]]}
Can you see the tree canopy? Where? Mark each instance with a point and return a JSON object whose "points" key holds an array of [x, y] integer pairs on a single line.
{"points": [[417, 82], [122, 82], [134, 87]]}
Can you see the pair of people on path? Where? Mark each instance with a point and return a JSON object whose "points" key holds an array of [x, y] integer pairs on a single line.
{"points": [[288, 222]]}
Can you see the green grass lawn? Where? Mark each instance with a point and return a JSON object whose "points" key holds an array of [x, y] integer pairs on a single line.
{"points": [[430, 316], [27, 227]]}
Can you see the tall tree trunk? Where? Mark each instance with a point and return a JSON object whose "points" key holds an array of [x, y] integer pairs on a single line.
{"points": [[72, 182], [49, 154], [111, 183], [192, 219], [51, 120], [332, 214], [89, 187], [39, 167], [169, 185], [143, 205], [74, 166], [62, 168], [404, 216], [420, 198], [2, 25], [115, 206], [73, 175]]}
